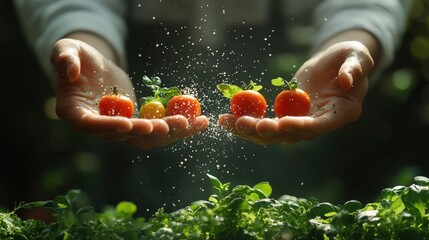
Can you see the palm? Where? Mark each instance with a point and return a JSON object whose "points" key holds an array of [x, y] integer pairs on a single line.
{"points": [[326, 78], [321, 82], [77, 101]]}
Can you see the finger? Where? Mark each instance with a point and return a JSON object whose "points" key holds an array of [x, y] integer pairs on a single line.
{"points": [[349, 71], [355, 67], [142, 126], [227, 121], [199, 123], [65, 58], [267, 127], [96, 124], [304, 125], [176, 123], [311, 128], [246, 124], [160, 128], [247, 132], [345, 77]]}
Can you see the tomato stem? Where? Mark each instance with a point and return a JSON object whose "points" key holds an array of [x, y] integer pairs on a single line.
{"points": [[115, 90], [292, 84], [286, 84]]}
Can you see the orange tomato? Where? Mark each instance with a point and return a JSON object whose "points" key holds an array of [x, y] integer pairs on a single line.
{"points": [[292, 102], [186, 105], [152, 109], [248, 102], [116, 104]]}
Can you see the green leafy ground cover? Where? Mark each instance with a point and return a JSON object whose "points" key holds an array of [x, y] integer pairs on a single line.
{"points": [[239, 212]]}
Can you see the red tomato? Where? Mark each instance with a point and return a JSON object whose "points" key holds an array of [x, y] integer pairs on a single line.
{"points": [[186, 105], [292, 102], [249, 103], [116, 104], [152, 109]]}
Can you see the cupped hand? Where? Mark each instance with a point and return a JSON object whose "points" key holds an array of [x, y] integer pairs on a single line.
{"points": [[336, 80], [83, 75]]}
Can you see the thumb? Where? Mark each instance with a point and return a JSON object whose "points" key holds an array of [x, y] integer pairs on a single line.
{"points": [[349, 70], [355, 67], [65, 58]]}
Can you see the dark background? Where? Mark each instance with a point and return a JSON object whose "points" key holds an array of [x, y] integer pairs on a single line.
{"points": [[42, 157]]}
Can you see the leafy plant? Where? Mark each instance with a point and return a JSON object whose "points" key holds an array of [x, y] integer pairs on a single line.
{"points": [[241, 212], [161, 94]]}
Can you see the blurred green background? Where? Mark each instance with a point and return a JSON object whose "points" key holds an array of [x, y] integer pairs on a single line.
{"points": [[43, 157]]}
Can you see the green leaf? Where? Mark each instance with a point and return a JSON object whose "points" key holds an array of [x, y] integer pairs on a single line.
{"points": [[278, 82], [225, 186], [215, 182], [265, 187], [254, 196], [35, 204], [228, 90], [352, 205], [385, 204], [145, 100], [126, 208], [213, 198], [421, 180], [416, 199], [235, 203], [146, 80], [159, 94], [343, 218], [262, 203], [165, 94], [321, 209], [397, 205], [85, 214], [62, 202], [330, 214], [156, 81], [73, 195]]}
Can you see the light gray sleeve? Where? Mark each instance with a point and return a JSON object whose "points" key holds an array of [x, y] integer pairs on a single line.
{"points": [[46, 21], [385, 19]]}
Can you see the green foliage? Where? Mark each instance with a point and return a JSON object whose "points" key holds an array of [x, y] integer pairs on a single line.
{"points": [[161, 94], [229, 90], [241, 212], [285, 84]]}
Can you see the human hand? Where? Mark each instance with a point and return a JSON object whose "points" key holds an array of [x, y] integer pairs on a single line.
{"points": [[83, 76], [336, 80]]}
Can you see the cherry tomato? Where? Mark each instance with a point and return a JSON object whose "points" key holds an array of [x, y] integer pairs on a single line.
{"points": [[248, 102], [293, 102], [152, 109], [245, 100], [116, 104], [186, 105]]}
